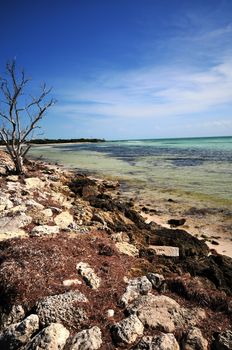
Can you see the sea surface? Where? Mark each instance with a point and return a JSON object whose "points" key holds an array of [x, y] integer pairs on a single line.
{"points": [[193, 169]]}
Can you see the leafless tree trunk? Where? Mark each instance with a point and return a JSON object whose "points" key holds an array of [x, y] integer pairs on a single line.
{"points": [[20, 114]]}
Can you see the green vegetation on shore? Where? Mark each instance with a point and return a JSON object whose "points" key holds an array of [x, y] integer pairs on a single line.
{"points": [[46, 141]]}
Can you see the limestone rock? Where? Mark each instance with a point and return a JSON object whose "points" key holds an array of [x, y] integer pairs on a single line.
{"points": [[52, 337], [127, 248], [13, 224], [44, 230], [195, 340], [88, 339], [62, 308], [127, 330], [63, 220], [71, 282], [47, 213], [158, 342], [223, 341], [88, 275], [120, 237], [5, 202], [13, 178], [163, 313], [32, 203], [165, 250], [34, 183], [19, 334], [136, 286]]}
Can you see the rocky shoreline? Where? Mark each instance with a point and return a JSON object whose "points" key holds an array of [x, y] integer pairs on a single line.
{"points": [[80, 268]]}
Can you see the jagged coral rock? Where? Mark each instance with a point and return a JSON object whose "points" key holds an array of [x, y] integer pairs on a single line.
{"points": [[88, 275], [127, 330], [158, 342], [88, 339]]}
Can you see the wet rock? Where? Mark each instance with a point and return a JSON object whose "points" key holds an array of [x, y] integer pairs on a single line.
{"points": [[63, 220], [52, 337], [223, 341], [136, 286], [127, 330], [176, 222], [19, 334], [44, 230], [127, 248], [62, 308], [88, 339], [158, 342], [156, 280], [88, 274], [187, 244], [194, 340]]}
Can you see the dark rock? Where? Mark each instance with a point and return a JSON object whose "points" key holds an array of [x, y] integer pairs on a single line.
{"points": [[223, 341], [176, 222], [188, 245]]}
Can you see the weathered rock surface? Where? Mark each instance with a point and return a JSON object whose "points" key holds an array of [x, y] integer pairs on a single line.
{"points": [[88, 339], [13, 224], [44, 230], [163, 313], [156, 280], [127, 248], [194, 340], [165, 250], [88, 274], [52, 337], [137, 286], [34, 183], [66, 308], [16, 314], [63, 220], [5, 202], [223, 341], [19, 334], [127, 330], [158, 342]]}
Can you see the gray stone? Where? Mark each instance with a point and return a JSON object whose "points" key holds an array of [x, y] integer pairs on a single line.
{"points": [[223, 341], [88, 275], [62, 308], [195, 340], [88, 339], [136, 286], [52, 337], [127, 330], [165, 250], [19, 334], [158, 342], [44, 230]]}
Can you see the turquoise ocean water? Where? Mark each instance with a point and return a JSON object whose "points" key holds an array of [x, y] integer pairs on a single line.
{"points": [[198, 169]]}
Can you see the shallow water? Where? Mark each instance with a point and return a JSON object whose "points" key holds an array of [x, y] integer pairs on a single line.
{"points": [[195, 169]]}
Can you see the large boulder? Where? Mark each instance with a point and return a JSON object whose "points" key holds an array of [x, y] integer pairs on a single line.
{"points": [[52, 337], [88, 339], [127, 330], [66, 308], [158, 342], [18, 334]]}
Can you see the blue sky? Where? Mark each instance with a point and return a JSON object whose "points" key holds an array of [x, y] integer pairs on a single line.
{"points": [[124, 69]]}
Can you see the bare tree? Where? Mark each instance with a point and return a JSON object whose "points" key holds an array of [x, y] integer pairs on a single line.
{"points": [[20, 113]]}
